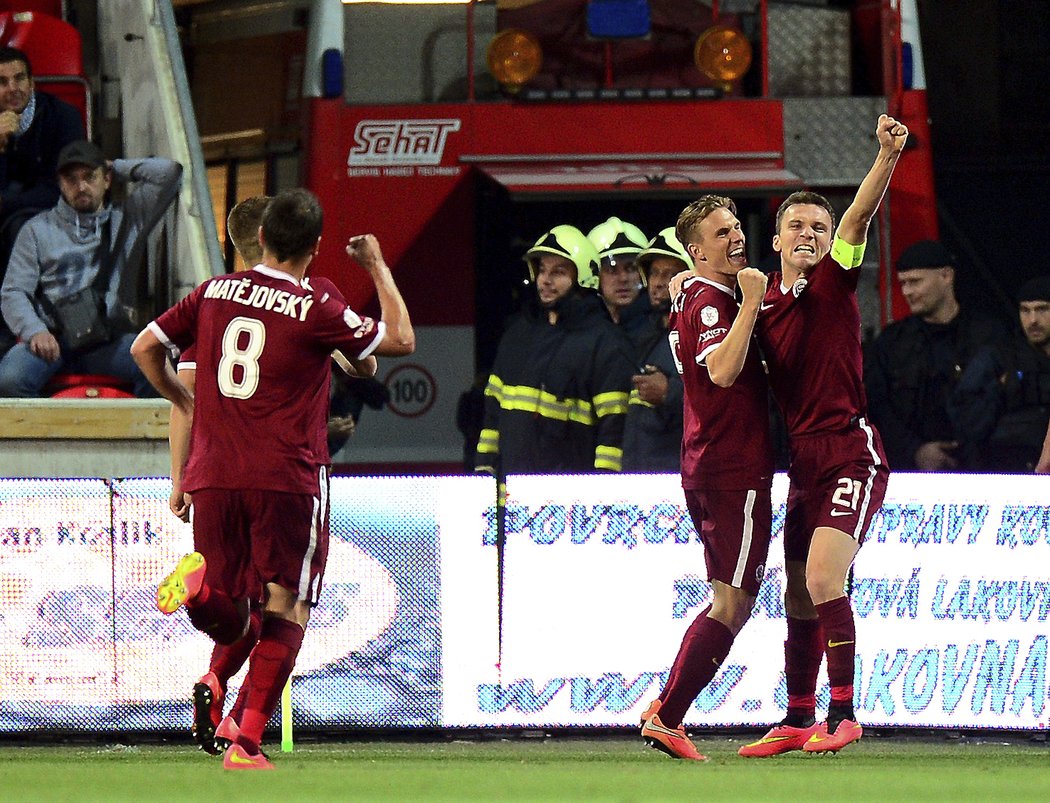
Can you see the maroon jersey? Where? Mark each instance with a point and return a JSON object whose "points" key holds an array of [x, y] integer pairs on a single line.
{"points": [[263, 342], [187, 359], [725, 440], [810, 335]]}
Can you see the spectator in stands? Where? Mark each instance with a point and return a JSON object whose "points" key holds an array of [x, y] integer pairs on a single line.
{"points": [[56, 262], [652, 437], [1002, 403], [915, 364], [619, 279], [34, 127], [556, 399]]}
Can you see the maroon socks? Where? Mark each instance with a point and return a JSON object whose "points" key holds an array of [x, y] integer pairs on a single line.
{"points": [[270, 667], [840, 634], [705, 645]]}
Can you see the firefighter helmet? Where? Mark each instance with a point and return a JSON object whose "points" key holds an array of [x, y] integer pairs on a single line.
{"points": [[569, 242], [664, 244], [615, 236]]}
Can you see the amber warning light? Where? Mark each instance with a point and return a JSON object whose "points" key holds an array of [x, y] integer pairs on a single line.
{"points": [[514, 57], [722, 54]]}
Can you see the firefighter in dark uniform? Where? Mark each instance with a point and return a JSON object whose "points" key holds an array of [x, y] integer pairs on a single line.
{"points": [[556, 399], [1002, 403], [652, 440], [913, 367], [620, 280]]}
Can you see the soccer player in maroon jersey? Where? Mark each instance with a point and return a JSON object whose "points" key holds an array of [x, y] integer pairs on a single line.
{"points": [[257, 466], [727, 463], [211, 733], [809, 329]]}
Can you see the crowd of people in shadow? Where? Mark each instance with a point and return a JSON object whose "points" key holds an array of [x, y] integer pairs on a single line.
{"points": [[950, 387]]}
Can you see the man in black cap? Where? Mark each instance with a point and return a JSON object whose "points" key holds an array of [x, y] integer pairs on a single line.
{"points": [[915, 364], [1002, 404], [63, 255]]}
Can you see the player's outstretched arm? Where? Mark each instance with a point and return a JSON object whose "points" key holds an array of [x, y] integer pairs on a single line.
{"points": [[725, 363], [399, 339], [853, 228]]}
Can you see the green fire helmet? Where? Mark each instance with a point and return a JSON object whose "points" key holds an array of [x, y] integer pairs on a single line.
{"points": [[615, 236], [569, 242], [664, 244]]}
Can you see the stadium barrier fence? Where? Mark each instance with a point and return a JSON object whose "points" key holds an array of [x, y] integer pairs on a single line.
{"points": [[600, 576]]}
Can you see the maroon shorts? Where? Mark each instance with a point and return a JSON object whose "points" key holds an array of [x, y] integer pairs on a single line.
{"points": [[734, 529], [251, 537], [838, 480]]}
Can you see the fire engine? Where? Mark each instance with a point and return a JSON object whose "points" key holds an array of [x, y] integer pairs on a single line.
{"points": [[458, 133]]}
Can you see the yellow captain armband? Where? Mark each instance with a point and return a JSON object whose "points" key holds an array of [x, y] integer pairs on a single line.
{"points": [[848, 256]]}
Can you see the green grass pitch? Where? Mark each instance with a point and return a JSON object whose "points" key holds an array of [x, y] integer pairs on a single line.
{"points": [[560, 768]]}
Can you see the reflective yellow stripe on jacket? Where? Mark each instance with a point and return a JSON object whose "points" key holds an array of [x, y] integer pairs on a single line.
{"points": [[612, 403], [608, 458], [637, 399], [488, 442], [533, 400]]}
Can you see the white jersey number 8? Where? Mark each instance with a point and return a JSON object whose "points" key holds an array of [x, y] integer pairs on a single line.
{"points": [[247, 357]]}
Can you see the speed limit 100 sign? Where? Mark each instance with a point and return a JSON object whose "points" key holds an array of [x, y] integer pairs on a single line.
{"points": [[412, 390]]}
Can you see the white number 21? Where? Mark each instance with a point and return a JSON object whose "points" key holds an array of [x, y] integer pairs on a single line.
{"points": [[847, 494]]}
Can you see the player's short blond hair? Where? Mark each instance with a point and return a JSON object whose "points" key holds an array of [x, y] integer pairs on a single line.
{"points": [[688, 222], [242, 226]]}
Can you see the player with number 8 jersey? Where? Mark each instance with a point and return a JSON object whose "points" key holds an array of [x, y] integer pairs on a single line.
{"points": [[258, 460], [263, 326]]}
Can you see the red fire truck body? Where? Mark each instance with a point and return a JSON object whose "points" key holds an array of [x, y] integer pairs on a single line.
{"points": [[421, 177]]}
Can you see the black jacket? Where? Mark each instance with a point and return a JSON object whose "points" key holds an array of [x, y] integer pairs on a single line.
{"points": [[652, 437], [28, 166], [635, 321], [911, 372], [1002, 407], [556, 399]]}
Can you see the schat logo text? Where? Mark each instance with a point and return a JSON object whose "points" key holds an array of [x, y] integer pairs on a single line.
{"points": [[400, 142]]}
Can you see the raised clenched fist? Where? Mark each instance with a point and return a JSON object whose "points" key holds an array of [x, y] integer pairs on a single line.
{"points": [[365, 249], [891, 133], [752, 283]]}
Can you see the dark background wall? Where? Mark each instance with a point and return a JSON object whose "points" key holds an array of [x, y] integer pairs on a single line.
{"points": [[987, 73]]}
